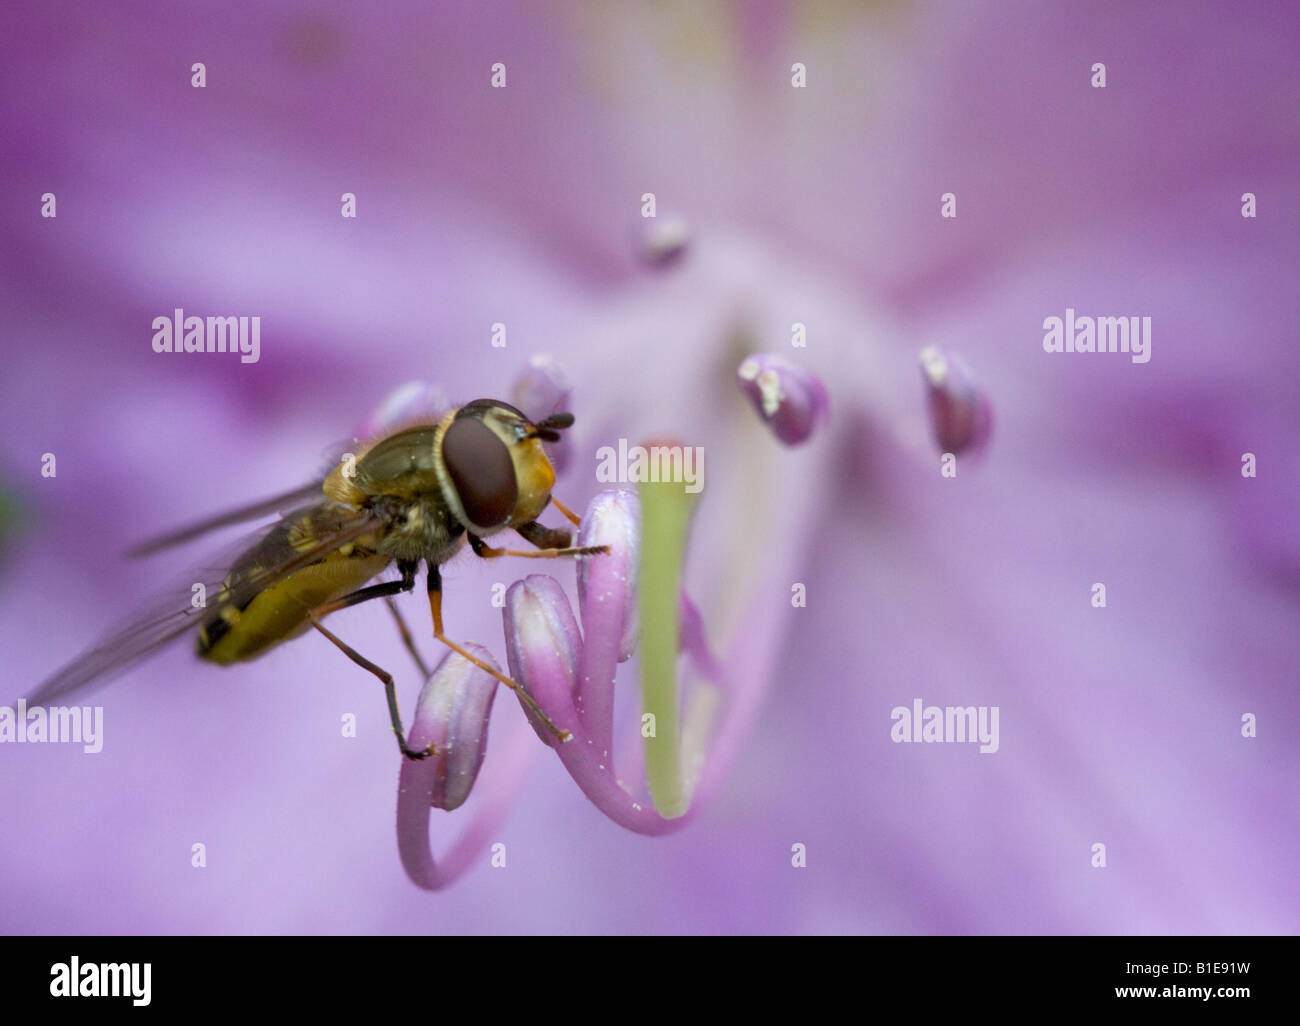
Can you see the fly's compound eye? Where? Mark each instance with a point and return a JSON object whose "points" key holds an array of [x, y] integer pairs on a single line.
{"points": [[482, 471]]}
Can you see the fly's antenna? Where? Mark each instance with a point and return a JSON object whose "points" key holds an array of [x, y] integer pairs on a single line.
{"points": [[549, 429]]}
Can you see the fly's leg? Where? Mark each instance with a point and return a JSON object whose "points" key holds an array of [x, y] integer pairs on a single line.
{"points": [[435, 607], [552, 543], [568, 513], [405, 632], [384, 590]]}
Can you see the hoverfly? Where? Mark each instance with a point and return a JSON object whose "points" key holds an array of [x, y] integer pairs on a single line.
{"points": [[409, 496]]}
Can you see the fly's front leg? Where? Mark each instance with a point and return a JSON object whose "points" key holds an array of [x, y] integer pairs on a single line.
{"points": [[569, 515], [435, 607], [552, 543]]}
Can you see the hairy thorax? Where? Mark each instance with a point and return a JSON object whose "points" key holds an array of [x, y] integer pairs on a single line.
{"points": [[417, 528]]}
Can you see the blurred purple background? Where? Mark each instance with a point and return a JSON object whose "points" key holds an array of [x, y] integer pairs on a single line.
{"points": [[817, 205]]}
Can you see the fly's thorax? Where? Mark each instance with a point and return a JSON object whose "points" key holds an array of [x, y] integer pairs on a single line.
{"points": [[419, 528], [492, 469], [400, 464]]}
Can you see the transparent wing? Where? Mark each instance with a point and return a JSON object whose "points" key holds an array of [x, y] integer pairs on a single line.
{"points": [[331, 457], [301, 538], [275, 504]]}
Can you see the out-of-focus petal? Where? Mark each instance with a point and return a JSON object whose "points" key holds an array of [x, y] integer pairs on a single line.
{"points": [[409, 401], [541, 390]]}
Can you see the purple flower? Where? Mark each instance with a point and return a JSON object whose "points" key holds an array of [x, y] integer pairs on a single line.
{"points": [[607, 586], [571, 672], [834, 582], [791, 401], [960, 414], [452, 714], [540, 622], [407, 402], [541, 390], [663, 239]]}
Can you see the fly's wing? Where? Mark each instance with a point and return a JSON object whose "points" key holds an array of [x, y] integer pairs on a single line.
{"points": [[412, 403], [309, 492], [300, 539], [275, 504]]}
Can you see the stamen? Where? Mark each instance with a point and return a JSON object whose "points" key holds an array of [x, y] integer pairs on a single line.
{"points": [[791, 400], [960, 413]]}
